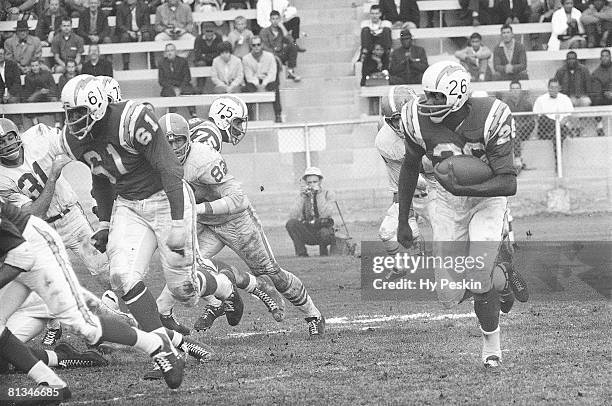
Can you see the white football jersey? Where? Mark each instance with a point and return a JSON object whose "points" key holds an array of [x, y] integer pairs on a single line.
{"points": [[23, 184], [206, 171], [392, 150]]}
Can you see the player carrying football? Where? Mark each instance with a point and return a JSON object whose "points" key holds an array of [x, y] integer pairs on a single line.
{"points": [[445, 123], [225, 215]]}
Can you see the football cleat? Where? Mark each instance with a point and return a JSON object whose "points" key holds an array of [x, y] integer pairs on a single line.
{"points": [[516, 282], [51, 336], [63, 394], [211, 313], [506, 299], [233, 308], [170, 364], [171, 323], [69, 357], [153, 374], [195, 349], [316, 326], [395, 273], [492, 361], [270, 303]]}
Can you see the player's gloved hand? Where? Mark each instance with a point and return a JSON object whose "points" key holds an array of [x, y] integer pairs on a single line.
{"points": [[404, 234], [100, 237], [177, 237]]}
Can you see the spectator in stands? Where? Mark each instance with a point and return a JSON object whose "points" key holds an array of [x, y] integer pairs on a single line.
{"points": [[541, 12], [403, 13], [575, 81], [93, 24], [310, 219], [10, 80], [227, 72], [567, 30], [133, 25], [17, 10], [240, 37], [548, 106], [375, 31], [22, 47], [602, 80], [375, 62], [97, 66], [50, 22], [509, 57], [512, 11], [66, 46], [475, 59], [39, 84], [408, 62], [261, 73], [518, 101], [206, 46], [75, 7], [66, 76], [175, 77], [275, 39], [288, 21], [174, 21], [597, 21], [466, 15], [206, 6]]}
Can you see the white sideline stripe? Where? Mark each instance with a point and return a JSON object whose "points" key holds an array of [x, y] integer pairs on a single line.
{"points": [[182, 389], [399, 317], [257, 333]]}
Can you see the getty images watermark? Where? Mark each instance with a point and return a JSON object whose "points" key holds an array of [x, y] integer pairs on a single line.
{"points": [[559, 270]]}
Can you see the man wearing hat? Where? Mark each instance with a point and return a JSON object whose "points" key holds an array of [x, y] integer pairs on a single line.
{"points": [[310, 220], [22, 47], [408, 62]]}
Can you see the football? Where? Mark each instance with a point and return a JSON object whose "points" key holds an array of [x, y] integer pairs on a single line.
{"points": [[468, 169]]}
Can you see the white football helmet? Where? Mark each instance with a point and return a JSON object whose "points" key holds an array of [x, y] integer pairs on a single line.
{"points": [[206, 132], [112, 89], [447, 87], [85, 102], [230, 115], [391, 106], [176, 129], [10, 141]]}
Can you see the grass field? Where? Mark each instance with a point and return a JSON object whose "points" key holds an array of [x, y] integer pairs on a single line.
{"points": [[556, 348]]}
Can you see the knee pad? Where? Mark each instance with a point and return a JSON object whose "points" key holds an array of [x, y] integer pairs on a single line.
{"points": [[122, 281], [187, 292]]}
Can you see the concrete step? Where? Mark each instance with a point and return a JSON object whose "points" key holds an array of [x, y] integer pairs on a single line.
{"points": [[314, 97], [308, 70], [321, 113], [322, 83], [309, 4], [325, 15], [340, 27], [322, 42]]}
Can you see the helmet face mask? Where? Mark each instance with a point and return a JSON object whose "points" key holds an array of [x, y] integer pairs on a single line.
{"points": [[230, 115], [176, 130], [447, 87], [395, 123], [85, 102], [10, 141], [391, 106]]}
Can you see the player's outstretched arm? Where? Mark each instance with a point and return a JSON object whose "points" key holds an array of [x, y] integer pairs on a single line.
{"points": [[409, 176], [40, 206]]}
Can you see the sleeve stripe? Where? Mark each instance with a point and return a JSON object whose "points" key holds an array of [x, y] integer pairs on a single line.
{"points": [[125, 137], [411, 123], [497, 116]]}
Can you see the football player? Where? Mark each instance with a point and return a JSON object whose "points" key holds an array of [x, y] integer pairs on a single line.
{"points": [[36, 261], [112, 89], [136, 178], [31, 179], [447, 122], [225, 215], [389, 142]]}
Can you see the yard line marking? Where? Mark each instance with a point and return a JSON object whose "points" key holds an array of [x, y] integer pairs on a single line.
{"points": [[398, 317], [280, 374]]}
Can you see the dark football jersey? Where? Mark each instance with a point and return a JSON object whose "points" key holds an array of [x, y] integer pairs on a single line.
{"points": [[12, 223], [126, 147], [486, 133]]}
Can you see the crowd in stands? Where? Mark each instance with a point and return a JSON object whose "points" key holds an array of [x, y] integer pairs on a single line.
{"points": [[240, 60]]}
